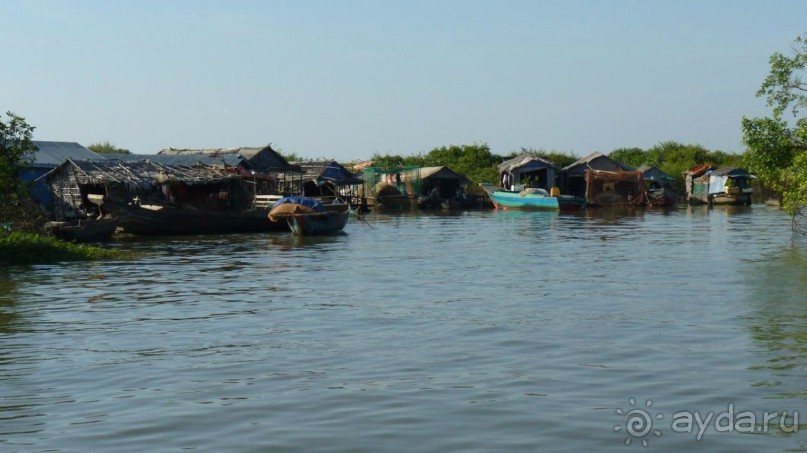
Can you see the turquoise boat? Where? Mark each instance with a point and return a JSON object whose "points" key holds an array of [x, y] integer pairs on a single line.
{"points": [[528, 199], [532, 199]]}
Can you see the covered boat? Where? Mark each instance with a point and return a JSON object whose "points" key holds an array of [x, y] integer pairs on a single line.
{"points": [[726, 185], [308, 217]]}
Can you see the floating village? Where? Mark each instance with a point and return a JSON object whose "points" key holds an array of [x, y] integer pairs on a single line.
{"points": [[88, 197]]}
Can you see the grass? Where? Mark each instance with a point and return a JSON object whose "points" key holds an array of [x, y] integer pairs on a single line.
{"points": [[29, 248]]}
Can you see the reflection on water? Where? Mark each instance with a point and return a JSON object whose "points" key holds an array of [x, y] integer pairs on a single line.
{"points": [[487, 330], [777, 320]]}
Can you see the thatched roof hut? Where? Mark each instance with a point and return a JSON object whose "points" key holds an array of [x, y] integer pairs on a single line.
{"points": [[73, 182], [573, 176], [528, 169]]}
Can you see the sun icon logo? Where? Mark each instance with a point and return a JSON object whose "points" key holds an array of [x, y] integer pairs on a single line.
{"points": [[638, 422]]}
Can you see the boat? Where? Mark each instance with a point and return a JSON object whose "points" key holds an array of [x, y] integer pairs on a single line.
{"points": [[717, 186], [661, 197], [306, 216], [84, 230], [570, 203], [163, 219], [531, 199]]}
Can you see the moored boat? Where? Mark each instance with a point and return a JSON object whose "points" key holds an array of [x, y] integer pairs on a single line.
{"points": [[726, 185], [89, 230], [163, 219], [527, 199], [308, 217]]}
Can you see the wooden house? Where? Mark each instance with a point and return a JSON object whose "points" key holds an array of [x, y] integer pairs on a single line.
{"points": [[49, 155], [327, 178], [527, 170], [603, 182], [78, 187], [270, 171]]}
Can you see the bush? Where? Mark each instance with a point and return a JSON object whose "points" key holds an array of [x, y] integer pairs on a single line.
{"points": [[19, 247]]}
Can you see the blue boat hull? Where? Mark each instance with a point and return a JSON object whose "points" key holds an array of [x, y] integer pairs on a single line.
{"points": [[504, 199], [512, 200]]}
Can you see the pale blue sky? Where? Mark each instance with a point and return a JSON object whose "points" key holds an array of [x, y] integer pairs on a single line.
{"points": [[345, 79]]}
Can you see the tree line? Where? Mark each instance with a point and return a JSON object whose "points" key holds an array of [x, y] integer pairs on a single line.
{"points": [[479, 164]]}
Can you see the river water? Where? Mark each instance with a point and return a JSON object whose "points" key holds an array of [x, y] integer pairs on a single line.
{"points": [[481, 331]]}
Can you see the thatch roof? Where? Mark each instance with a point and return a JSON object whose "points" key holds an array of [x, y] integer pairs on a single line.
{"points": [[141, 175]]}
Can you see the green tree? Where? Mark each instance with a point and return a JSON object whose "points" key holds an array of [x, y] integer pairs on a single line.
{"points": [[777, 144], [107, 148], [674, 158], [633, 157], [475, 161], [16, 152]]}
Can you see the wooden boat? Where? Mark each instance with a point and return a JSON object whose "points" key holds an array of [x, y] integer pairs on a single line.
{"points": [[161, 219], [570, 203], [89, 230], [661, 197], [726, 185], [308, 217]]}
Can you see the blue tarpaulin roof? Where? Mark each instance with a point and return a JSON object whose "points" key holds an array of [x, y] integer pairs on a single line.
{"points": [[329, 171]]}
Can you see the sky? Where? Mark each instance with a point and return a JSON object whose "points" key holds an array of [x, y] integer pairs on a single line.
{"points": [[344, 79]]}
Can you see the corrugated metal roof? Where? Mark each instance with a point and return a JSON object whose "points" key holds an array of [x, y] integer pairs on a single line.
{"points": [[188, 159], [729, 171], [592, 157], [246, 151], [51, 154], [652, 173], [525, 160], [262, 159]]}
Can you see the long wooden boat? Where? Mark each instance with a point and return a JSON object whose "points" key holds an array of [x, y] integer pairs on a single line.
{"points": [[90, 230], [306, 216], [158, 219], [333, 220]]}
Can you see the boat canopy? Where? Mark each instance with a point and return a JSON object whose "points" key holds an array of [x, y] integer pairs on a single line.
{"points": [[305, 201]]}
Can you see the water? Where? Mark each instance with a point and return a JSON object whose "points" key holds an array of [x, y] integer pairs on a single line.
{"points": [[485, 331]]}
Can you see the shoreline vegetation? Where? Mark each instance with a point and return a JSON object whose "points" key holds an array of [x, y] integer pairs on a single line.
{"points": [[24, 248]]}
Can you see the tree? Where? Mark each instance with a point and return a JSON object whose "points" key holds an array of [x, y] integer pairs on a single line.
{"points": [[16, 152], [633, 157], [107, 148], [777, 144]]}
